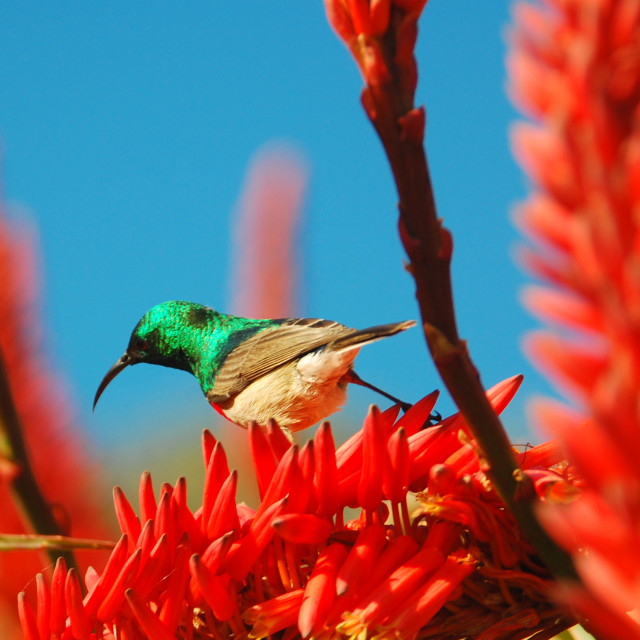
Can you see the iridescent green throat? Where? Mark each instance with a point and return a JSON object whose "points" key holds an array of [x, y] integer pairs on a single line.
{"points": [[192, 337]]}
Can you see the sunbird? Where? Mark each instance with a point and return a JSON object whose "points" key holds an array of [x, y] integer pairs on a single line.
{"points": [[294, 370]]}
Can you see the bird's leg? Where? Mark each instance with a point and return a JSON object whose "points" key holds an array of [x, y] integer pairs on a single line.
{"points": [[353, 377]]}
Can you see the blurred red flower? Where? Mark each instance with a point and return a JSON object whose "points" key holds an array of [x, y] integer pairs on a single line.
{"points": [[51, 438], [575, 69]]}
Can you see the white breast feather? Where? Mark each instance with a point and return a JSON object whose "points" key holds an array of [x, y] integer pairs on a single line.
{"points": [[323, 365], [296, 395]]}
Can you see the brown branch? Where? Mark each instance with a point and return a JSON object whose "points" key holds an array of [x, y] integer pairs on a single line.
{"points": [[388, 101], [24, 485]]}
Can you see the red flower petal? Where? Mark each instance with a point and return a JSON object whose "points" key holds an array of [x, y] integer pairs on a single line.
{"points": [[361, 559], [127, 518], [80, 626], [149, 622], [213, 589], [146, 498], [320, 591], [27, 618], [326, 473], [303, 528], [373, 460]]}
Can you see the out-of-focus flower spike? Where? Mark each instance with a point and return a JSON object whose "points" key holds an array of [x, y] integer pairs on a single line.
{"points": [[127, 519], [546, 220], [216, 473], [28, 619], [58, 609], [391, 594], [547, 162], [114, 597], [606, 623], [80, 626], [396, 471], [43, 609], [429, 598], [373, 460], [213, 589], [320, 591], [418, 415], [277, 439], [326, 473], [281, 482], [171, 609], [562, 308], [208, 443], [302, 528], [224, 515], [276, 614], [572, 365], [361, 559], [557, 272], [264, 461], [151, 625], [146, 498], [580, 439]]}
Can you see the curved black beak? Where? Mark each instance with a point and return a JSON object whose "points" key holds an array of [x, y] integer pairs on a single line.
{"points": [[121, 364]]}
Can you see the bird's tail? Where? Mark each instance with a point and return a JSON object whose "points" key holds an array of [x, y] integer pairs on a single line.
{"points": [[365, 336]]}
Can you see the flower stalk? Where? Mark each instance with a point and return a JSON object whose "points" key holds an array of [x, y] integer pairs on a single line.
{"points": [[381, 37]]}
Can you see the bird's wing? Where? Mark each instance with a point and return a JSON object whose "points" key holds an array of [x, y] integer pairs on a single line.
{"points": [[272, 348]]}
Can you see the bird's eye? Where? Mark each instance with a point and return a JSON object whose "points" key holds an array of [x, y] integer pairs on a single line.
{"points": [[142, 345]]}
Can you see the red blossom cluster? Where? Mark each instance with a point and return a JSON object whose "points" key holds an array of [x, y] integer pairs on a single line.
{"points": [[294, 566], [575, 69]]}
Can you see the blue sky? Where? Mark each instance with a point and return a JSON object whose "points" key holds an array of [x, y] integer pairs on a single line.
{"points": [[126, 130]]}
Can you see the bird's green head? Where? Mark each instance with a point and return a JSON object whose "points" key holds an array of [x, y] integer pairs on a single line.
{"points": [[164, 335]]}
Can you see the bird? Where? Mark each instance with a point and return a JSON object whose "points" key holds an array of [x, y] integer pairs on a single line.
{"points": [[292, 370]]}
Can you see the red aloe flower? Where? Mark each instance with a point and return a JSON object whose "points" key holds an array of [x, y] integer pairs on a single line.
{"points": [[295, 566], [575, 69]]}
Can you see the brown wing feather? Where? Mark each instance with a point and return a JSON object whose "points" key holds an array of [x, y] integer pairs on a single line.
{"points": [[272, 348]]}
